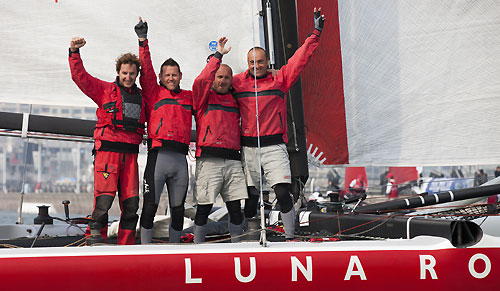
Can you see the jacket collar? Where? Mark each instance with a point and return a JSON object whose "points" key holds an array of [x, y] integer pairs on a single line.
{"points": [[176, 90], [248, 75], [129, 90]]}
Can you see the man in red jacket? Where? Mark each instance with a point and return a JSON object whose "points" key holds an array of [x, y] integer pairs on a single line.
{"points": [[272, 131], [169, 134], [218, 160], [118, 133]]}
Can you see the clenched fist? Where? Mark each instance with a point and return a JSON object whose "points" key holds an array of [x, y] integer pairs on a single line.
{"points": [[76, 43]]}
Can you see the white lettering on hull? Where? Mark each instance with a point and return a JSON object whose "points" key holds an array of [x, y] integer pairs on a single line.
{"points": [[355, 268], [427, 263], [354, 261], [472, 269], [237, 270], [307, 272], [189, 279]]}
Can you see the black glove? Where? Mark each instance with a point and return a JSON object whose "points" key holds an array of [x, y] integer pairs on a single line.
{"points": [[318, 21], [141, 29]]}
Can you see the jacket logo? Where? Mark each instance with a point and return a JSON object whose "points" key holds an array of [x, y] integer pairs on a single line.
{"points": [[105, 174]]}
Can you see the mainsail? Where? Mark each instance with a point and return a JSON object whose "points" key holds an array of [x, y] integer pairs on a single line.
{"points": [[403, 83], [36, 38]]}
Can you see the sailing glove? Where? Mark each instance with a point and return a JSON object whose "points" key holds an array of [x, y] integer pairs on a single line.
{"points": [[141, 29], [318, 20]]}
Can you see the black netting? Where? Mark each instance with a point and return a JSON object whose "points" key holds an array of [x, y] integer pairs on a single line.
{"points": [[470, 212]]}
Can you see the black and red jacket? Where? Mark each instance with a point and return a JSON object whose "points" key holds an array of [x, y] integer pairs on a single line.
{"points": [[217, 117], [272, 98], [168, 112], [119, 128]]}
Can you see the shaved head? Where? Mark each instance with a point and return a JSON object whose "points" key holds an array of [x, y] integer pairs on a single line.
{"points": [[223, 79], [257, 65]]}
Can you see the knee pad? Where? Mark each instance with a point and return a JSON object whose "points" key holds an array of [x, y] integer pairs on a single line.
{"points": [[282, 191], [129, 216], [102, 205], [234, 210], [148, 214], [202, 212], [177, 217], [251, 206], [252, 191], [251, 202]]}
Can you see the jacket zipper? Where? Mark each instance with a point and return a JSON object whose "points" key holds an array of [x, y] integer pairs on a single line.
{"points": [[102, 133], [206, 133], [159, 125], [281, 120]]}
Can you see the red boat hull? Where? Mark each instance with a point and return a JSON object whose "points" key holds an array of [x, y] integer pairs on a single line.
{"points": [[246, 266]]}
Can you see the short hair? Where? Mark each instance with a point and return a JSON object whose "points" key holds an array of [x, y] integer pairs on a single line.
{"points": [[128, 58], [170, 62], [258, 48]]}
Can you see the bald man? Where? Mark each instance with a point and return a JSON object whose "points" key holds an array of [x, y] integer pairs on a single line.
{"points": [[271, 91], [218, 161]]}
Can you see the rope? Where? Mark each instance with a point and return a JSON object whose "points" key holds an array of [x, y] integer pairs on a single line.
{"points": [[9, 246]]}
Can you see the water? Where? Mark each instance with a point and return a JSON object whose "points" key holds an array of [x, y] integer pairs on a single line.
{"points": [[10, 217]]}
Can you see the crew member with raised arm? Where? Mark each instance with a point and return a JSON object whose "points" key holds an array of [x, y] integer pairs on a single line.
{"points": [[118, 133], [218, 160], [169, 111], [271, 92]]}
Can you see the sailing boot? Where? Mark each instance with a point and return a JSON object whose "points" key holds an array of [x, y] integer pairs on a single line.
{"points": [[126, 237], [95, 234], [235, 230], [289, 223], [174, 236], [146, 235], [200, 233]]}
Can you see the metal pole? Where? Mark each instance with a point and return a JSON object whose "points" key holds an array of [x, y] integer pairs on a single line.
{"points": [[4, 169], [39, 172], [24, 135], [270, 37], [78, 171]]}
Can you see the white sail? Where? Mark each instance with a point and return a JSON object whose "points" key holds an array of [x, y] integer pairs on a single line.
{"points": [[36, 36], [420, 82]]}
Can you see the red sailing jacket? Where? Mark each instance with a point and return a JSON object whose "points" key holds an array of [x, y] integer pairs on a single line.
{"points": [[169, 113], [272, 97], [217, 117], [113, 132]]}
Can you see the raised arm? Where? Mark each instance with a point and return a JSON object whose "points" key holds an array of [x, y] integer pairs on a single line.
{"points": [[204, 81], [290, 72], [89, 85], [148, 77]]}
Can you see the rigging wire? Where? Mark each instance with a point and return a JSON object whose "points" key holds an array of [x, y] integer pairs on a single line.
{"points": [[262, 218]]}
